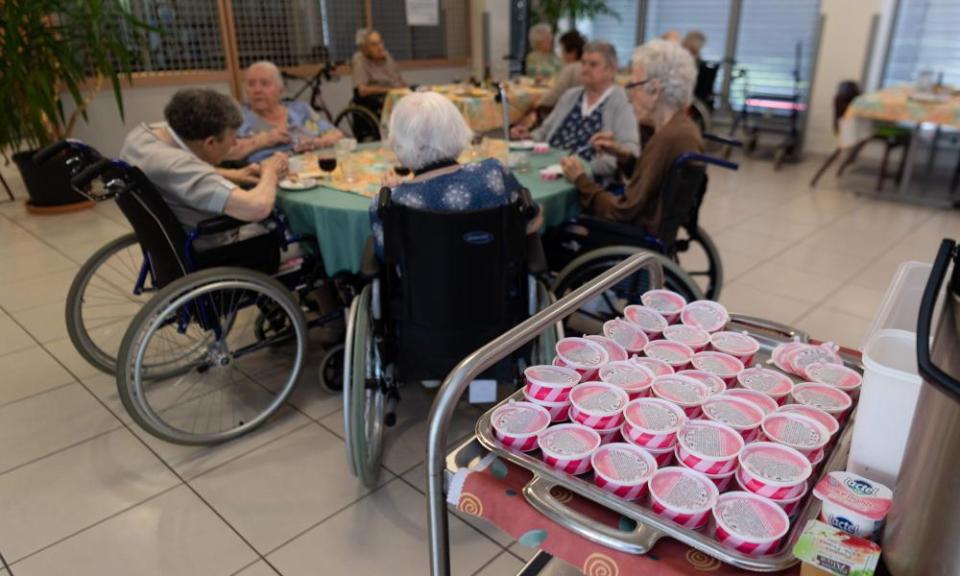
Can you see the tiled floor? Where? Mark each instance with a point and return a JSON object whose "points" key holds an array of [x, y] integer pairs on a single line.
{"points": [[83, 491]]}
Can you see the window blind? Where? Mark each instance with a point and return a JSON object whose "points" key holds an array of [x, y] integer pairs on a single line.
{"points": [[187, 36], [708, 16], [926, 37], [621, 32]]}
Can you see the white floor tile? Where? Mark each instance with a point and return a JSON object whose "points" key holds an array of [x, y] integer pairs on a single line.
{"points": [[856, 300], [740, 298], [41, 290], [64, 351], [783, 281], [260, 568], [45, 323], [12, 336], [505, 564], [29, 372]]}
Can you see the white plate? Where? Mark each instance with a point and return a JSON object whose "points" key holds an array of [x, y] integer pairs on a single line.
{"points": [[299, 184], [521, 144]]}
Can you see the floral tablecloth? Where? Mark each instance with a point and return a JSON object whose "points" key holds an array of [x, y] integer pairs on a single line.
{"points": [[897, 104], [478, 105]]}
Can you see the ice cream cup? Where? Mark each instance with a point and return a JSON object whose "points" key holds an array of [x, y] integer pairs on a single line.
{"points": [[828, 421], [658, 367], [633, 379], [715, 384], [541, 147], [783, 354], [583, 355], [675, 354], [663, 456], [790, 505], [723, 365], [853, 503], [722, 481], [740, 345], [759, 399], [691, 336], [568, 447], [750, 524], [705, 314], [626, 334], [737, 413], [550, 383], [837, 375], [610, 435], [803, 434], [615, 352], [598, 405], [649, 320], [623, 469], [666, 302], [652, 423], [773, 470], [831, 400], [688, 393], [518, 424], [708, 447], [773, 383], [803, 356], [682, 495], [559, 411]]}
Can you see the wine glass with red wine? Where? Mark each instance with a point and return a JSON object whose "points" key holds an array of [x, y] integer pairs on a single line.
{"points": [[327, 163]]}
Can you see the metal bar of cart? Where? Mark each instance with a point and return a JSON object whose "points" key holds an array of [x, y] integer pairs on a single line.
{"points": [[473, 365]]}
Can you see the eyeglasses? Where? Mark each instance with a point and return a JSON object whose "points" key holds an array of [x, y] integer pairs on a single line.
{"points": [[633, 85]]}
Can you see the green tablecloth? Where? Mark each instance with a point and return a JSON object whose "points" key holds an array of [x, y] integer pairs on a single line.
{"points": [[341, 221]]}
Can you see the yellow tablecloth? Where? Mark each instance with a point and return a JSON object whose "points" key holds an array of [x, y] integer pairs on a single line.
{"points": [[897, 104], [478, 105]]}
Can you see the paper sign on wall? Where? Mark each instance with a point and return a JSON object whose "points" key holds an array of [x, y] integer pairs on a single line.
{"points": [[423, 12]]}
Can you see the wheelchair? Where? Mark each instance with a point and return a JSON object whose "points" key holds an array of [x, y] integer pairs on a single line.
{"points": [[586, 247], [447, 284], [214, 328]]}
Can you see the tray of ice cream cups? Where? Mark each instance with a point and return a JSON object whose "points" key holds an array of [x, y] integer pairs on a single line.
{"points": [[708, 447], [550, 383], [623, 469], [598, 405]]}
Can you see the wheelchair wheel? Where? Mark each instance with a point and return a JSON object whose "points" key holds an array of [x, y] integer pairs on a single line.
{"points": [[700, 259], [331, 369], [358, 122], [101, 301], [187, 367], [364, 392], [590, 317]]}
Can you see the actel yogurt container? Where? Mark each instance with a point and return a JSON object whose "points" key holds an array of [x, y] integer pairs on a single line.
{"points": [[568, 447], [740, 345], [723, 365], [550, 383], [853, 503], [623, 469], [675, 354], [773, 470], [773, 383], [626, 334], [705, 314], [682, 495], [709, 447], [652, 423], [666, 302], [749, 523], [584, 356], [688, 393], [691, 336], [648, 319], [633, 379], [518, 424], [598, 405]]}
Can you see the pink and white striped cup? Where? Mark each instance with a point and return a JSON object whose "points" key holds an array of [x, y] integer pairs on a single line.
{"points": [[715, 384], [765, 403], [830, 399], [652, 423], [623, 469], [615, 352], [803, 434], [687, 393], [705, 314], [676, 354], [518, 424], [649, 320], [723, 365], [828, 421], [709, 447], [682, 495], [773, 383], [749, 523], [568, 447], [559, 411], [626, 334], [741, 415], [584, 356], [740, 345], [773, 470], [691, 336], [550, 383], [666, 302], [658, 367], [633, 379], [663, 456], [598, 405]]}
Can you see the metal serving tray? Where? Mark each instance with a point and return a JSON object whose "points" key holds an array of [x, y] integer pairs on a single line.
{"points": [[650, 527]]}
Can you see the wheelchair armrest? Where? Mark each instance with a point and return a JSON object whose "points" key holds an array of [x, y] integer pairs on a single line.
{"points": [[383, 200], [527, 206], [218, 224]]}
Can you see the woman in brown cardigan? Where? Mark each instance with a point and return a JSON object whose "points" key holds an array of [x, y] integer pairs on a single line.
{"points": [[664, 75]]}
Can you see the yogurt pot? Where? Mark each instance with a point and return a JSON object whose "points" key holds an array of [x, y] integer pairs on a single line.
{"points": [[794, 357], [803, 434], [691, 336], [663, 456], [765, 403], [610, 435], [773, 383], [598, 405], [723, 365], [675, 354], [750, 524], [853, 503], [715, 384], [837, 375], [550, 383], [623, 469], [666, 302], [705, 314], [559, 411], [626, 334], [833, 401], [687, 393], [682, 495], [784, 352], [708, 447], [737, 413], [722, 481], [649, 320], [773, 470], [615, 352], [568, 447], [518, 424], [633, 379], [790, 505], [652, 423], [658, 367], [828, 421], [583, 355], [740, 345], [817, 457]]}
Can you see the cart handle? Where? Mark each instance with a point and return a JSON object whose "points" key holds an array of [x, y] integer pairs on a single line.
{"points": [[777, 328], [441, 413]]}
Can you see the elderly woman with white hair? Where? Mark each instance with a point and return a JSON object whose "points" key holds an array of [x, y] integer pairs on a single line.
{"points": [[660, 91], [542, 61], [271, 125], [428, 134]]}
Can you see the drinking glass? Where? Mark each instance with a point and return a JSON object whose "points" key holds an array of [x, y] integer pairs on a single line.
{"points": [[327, 161]]}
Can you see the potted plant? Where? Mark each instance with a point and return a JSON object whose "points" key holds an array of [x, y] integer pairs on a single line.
{"points": [[50, 50], [551, 11]]}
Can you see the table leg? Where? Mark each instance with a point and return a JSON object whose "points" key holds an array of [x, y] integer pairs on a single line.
{"points": [[907, 176]]}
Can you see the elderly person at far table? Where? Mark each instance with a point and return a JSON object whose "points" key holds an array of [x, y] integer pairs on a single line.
{"points": [[541, 61], [271, 125], [428, 134], [374, 71], [660, 91], [599, 105]]}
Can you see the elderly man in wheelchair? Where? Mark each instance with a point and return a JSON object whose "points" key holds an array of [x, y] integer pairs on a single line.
{"points": [[211, 301]]}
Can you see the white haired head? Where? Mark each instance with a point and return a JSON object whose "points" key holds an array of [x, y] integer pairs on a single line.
{"points": [[670, 65], [363, 34], [270, 68], [539, 33], [426, 127]]}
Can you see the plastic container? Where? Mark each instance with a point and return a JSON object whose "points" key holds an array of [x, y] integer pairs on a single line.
{"points": [[550, 383], [740, 345], [610, 435], [773, 383], [633, 379], [675, 354], [705, 314], [568, 447], [652, 423], [723, 365], [830, 399], [518, 424], [626, 334], [721, 481], [559, 411], [682, 495], [846, 379], [789, 505], [853, 503], [805, 435], [623, 469], [749, 523], [828, 421], [666, 302], [901, 303], [658, 367], [715, 384], [687, 393], [648, 319], [741, 415], [663, 456], [773, 470], [709, 447], [759, 399], [583, 355], [598, 405], [691, 336], [615, 352]]}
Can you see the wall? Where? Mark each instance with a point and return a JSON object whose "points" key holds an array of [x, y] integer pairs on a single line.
{"points": [[499, 41]]}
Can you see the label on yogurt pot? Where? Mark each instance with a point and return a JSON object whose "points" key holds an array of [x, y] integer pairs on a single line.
{"points": [[568, 441], [623, 463], [652, 415], [520, 418]]}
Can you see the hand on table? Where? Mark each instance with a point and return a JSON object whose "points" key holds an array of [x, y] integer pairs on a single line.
{"points": [[276, 165], [572, 167], [249, 175]]}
